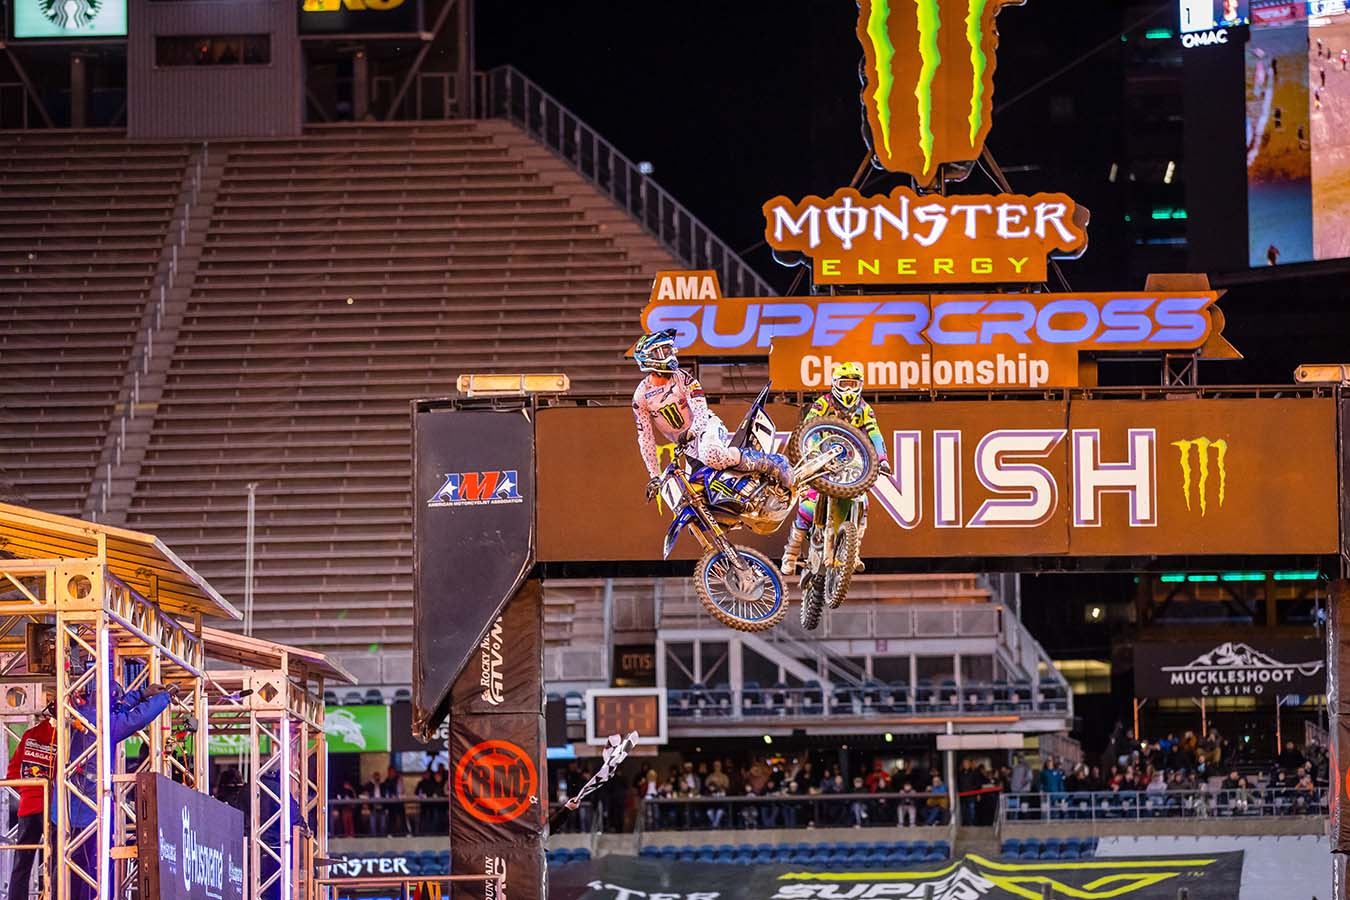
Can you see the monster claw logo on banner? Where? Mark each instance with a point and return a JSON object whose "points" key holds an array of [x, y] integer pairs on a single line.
{"points": [[921, 57], [1202, 446]]}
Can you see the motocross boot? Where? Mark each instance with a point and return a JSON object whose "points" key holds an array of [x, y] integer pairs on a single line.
{"points": [[774, 464], [858, 563], [792, 550]]}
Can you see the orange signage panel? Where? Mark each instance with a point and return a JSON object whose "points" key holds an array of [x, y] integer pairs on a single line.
{"points": [[908, 238], [1012, 478], [928, 81]]}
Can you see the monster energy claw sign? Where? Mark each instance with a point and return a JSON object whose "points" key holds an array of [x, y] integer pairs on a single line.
{"points": [[921, 57]]}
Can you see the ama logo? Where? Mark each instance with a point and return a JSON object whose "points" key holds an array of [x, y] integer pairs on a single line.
{"points": [[478, 489]]}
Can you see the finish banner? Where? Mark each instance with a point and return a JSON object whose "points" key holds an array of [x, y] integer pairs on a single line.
{"points": [[969, 878], [473, 538], [1001, 479], [1262, 668]]}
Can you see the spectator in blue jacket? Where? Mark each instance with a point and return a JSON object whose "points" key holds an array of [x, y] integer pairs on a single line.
{"points": [[131, 711]]}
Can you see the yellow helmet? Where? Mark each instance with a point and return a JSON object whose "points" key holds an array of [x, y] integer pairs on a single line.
{"points": [[846, 383]]}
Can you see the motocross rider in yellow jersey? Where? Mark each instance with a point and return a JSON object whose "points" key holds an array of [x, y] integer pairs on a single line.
{"points": [[844, 401]]}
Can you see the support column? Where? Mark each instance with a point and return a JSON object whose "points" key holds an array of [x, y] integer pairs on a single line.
{"points": [[360, 84], [464, 98], [79, 91]]}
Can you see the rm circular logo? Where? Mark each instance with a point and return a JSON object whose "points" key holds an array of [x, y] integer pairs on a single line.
{"points": [[496, 781]]}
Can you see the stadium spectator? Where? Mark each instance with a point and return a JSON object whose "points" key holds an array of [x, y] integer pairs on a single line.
{"points": [[937, 806], [392, 789], [33, 758], [909, 809], [1021, 776], [1290, 758], [858, 808], [344, 817], [968, 782]]}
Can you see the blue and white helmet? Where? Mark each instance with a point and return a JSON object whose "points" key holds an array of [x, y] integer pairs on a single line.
{"points": [[655, 352]]}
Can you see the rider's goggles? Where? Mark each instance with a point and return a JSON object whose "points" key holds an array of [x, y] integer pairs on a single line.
{"points": [[849, 385], [661, 352]]}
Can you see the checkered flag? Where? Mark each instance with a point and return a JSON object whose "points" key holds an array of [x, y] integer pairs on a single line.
{"points": [[613, 756]]}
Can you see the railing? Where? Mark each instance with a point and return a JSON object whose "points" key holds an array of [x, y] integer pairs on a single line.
{"points": [[508, 94], [1110, 806], [9, 800], [868, 701], [415, 887], [388, 816], [140, 364], [879, 810]]}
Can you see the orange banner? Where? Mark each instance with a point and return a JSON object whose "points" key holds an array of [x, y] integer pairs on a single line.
{"points": [[1017, 478]]}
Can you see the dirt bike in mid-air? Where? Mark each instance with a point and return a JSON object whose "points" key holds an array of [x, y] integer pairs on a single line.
{"points": [[741, 587], [836, 531]]}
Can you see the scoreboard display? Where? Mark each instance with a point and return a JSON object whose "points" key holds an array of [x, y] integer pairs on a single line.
{"points": [[623, 710]]}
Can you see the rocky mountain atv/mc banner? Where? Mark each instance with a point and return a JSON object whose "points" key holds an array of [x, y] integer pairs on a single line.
{"points": [[1216, 875]]}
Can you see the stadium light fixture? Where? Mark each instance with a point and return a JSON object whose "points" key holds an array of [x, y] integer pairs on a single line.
{"points": [[1171, 169], [768, 739], [1202, 578], [1332, 373], [1172, 578], [1158, 34], [513, 385]]}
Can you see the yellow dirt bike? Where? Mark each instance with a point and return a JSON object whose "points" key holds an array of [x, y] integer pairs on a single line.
{"points": [[836, 530]]}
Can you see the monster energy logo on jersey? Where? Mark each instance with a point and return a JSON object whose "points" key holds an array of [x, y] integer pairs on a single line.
{"points": [[922, 57]]}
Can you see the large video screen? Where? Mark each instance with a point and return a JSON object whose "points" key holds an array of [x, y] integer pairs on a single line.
{"points": [[1203, 15], [1298, 132], [55, 19]]}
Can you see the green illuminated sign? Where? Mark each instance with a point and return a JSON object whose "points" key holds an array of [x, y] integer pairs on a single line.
{"points": [[56, 19], [357, 729]]}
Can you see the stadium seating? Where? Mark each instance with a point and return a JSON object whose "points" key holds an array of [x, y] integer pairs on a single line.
{"points": [[564, 856], [1053, 848], [83, 220], [343, 274], [874, 855]]}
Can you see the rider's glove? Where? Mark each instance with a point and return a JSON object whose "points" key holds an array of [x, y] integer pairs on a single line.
{"points": [[886, 467], [653, 486]]}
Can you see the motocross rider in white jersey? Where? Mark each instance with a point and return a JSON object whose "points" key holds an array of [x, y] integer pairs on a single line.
{"points": [[674, 401]]}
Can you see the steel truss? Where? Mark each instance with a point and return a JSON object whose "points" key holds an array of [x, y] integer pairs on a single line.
{"points": [[104, 629], [280, 712], [122, 610]]}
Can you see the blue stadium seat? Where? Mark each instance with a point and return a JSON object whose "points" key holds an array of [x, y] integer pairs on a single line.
{"points": [[668, 852], [648, 852], [944, 848], [704, 856], [1050, 850], [1012, 847]]}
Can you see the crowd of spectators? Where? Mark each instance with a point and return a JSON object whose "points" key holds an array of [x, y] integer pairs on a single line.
{"points": [[425, 812]]}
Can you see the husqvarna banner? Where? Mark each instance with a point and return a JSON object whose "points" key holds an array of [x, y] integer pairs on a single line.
{"points": [[912, 342], [1262, 668], [1078, 476], [971, 877], [473, 537], [188, 845]]}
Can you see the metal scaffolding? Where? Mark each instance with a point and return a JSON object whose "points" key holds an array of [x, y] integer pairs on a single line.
{"points": [[277, 702], [125, 613]]}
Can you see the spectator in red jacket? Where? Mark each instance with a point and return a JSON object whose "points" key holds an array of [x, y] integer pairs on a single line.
{"points": [[33, 758]]}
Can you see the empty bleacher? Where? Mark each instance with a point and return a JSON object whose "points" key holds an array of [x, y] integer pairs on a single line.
{"points": [[1052, 848], [83, 220], [342, 275]]}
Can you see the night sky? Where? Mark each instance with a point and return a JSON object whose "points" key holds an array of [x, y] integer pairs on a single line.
{"points": [[735, 103]]}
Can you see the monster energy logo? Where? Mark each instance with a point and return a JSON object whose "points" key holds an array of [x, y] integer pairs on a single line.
{"points": [[1202, 446], [882, 29]]}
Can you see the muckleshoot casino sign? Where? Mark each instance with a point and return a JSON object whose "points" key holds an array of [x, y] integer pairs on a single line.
{"points": [[927, 99]]}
